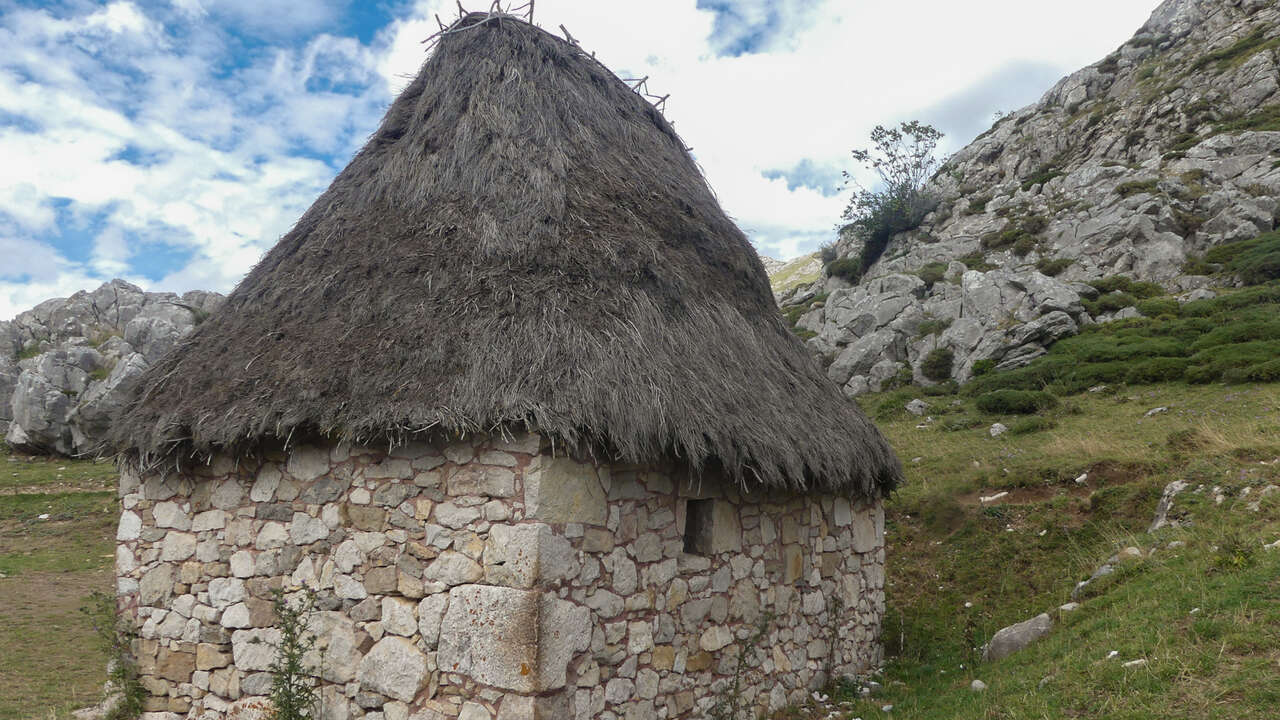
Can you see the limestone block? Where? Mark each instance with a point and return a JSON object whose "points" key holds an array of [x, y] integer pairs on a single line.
{"points": [[562, 491], [264, 486], [868, 527], [177, 546], [480, 480], [337, 652], [304, 529], [253, 650], [156, 585], [394, 667], [399, 617], [453, 568], [308, 463], [513, 639], [130, 526], [171, 515], [528, 555]]}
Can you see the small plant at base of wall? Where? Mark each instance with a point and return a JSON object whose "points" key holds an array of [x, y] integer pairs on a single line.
{"points": [[125, 693], [293, 693], [730, 704]]}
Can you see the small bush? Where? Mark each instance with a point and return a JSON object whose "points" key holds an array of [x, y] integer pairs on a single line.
{"points": [[983, 366], [1108, 303], [1015, 402], [1239, 51], [1041, 176], [115, 639], [828, 253], [1196, 265], [976, 261], [1156, 307], [932, 273], [1124, 283], [1161, 369], [1024, 245], [1137, 187], [933, 327], [937, 364], [293, 691], [1053, 267], [977, 204], [848, 268], [1263, 372], [1259, 261]]}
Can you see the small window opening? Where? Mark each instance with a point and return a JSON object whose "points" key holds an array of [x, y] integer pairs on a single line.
{"points": [[697, 526]]}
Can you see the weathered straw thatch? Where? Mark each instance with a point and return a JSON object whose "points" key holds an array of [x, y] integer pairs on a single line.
{"points": [[524, 240]]}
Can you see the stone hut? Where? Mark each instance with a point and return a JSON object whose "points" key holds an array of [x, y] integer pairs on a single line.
{"points": [[514, 400]]}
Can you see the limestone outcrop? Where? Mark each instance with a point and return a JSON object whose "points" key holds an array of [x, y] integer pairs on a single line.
{"points": [[1132, 166], [68, 364]]}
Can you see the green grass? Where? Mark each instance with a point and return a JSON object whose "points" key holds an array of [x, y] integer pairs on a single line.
{"points": [[1022, 555], [1227, 338], [800, 271], [50, 663], [1238, 52]]}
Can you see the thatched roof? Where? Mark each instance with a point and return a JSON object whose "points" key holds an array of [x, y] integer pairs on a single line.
{"points": [[524, 240]]}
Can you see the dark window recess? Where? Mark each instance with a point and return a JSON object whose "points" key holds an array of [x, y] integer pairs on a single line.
{"points": [[697, 526]]}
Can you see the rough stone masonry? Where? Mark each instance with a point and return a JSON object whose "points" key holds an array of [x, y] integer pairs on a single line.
{"points": [[490, 579]]}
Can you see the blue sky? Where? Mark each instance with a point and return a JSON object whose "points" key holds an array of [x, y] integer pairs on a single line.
{"points": [[171, 142]]}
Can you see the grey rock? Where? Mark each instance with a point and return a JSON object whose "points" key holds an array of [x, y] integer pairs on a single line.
{"points": [[89, 350], [1013, 638], [1113, 197]]}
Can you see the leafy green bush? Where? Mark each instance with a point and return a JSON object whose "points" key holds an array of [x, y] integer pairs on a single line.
{"points": [[1137, 187], [848, 268], [903, 159], [1264, 372], [983, 366], [1015, 402], [828, 253], [937, 364], [977, 204], [933, 326], [1237, 52], [293, 691], [976, 261], [1108, 303], [1155, 370], [1044, 174], [1259, 261], [1156, 307], [1025, 245], [1124, 283], [1053, 267], [932, 273]]}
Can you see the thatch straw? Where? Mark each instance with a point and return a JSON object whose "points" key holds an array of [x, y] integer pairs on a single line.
{"points": [[525, 241]]}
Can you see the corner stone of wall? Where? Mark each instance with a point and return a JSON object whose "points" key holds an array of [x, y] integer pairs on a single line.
{"points": [[487, 580]]}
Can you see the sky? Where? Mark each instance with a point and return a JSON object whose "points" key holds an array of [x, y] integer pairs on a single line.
{"points": [[172, 142]]}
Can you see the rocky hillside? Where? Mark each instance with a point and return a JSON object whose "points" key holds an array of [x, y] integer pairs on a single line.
{"points": [[1134, 166], [68, 363]]}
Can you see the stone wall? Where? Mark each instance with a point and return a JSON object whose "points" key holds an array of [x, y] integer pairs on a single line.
{"points": [[489, 580]]}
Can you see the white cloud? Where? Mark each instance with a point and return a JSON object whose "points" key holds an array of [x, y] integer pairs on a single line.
{"points": [[817, 86], [164, 130]]}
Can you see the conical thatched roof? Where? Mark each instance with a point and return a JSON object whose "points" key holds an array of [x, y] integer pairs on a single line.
{"points": [[524, 240]]}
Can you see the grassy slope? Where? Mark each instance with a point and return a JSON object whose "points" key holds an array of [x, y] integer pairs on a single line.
{"points": [[49, 662], [799, 271]]}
